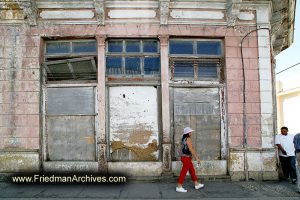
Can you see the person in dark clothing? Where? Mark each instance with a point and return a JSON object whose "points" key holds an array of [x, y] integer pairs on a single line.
{"points": [[297, 148]]}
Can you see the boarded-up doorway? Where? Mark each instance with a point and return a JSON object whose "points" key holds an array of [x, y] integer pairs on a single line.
{"points": [[133, 124], [199, 108]]}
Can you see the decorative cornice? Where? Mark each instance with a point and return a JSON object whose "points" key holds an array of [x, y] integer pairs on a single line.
{"points": [[101, 38], [28, 7], [164, 39], [100, 11], [30, 11], [233, 9], [164, 11]]}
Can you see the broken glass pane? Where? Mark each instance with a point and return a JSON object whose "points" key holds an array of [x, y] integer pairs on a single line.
{"points": [[84, 70], [181, 47], [209, 47], [59, 72], [113, 65], [132, 65], [132, 46], [151, 65], [115, 46], [183, 69], [58, 47], [82, 47], [150, 46]]}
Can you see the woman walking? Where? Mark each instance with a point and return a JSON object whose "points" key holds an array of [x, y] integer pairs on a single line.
{"points": [[187, 153]]}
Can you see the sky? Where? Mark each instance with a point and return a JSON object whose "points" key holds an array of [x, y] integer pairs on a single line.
{"points": [[289, 57], [291, 78]]}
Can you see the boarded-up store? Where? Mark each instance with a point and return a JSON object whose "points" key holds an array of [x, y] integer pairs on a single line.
{"points": [[108, 86]]}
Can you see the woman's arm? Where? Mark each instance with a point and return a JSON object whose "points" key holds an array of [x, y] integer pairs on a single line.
{"points": [[192, 150]]}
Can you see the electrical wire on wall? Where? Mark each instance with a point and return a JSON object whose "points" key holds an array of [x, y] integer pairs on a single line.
{"points": [[245, 130]]}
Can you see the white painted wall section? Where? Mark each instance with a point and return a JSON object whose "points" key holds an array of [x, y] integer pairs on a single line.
{"points": [[133, 109], [117, 14], [78, 14], [291, 114], [197, 14], [265, 77], [246, 16]]}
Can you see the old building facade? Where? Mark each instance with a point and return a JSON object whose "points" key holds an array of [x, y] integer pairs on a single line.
{"points": [[108, 86]]}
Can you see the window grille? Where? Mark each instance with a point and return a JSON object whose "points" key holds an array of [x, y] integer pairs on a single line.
{"points": [[195, 59]]}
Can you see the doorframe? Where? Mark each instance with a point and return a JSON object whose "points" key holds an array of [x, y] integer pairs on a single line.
{"points": [[44, 134], [223, 111]]}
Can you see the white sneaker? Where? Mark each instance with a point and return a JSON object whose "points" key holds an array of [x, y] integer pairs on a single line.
{"points": [[199, 186], [180, 189]]}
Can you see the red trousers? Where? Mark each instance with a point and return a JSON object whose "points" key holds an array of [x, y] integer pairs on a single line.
{"points": [[187, 165]]}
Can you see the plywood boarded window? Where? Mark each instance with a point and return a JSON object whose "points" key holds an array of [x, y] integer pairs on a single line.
{"points": [[199, 108], [70, 124]]}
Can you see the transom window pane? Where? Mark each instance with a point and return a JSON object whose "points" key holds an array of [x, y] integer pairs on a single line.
{"points": [[114, 65], [152, 65], [209, 47], [133, 57], [150, 46], [115, 46], [132, 46], [59, 72], [84, 70], [132, 66], [58, 47], [84, 47], [72, 69], [183, 69], [207, 70], [181, 47]]}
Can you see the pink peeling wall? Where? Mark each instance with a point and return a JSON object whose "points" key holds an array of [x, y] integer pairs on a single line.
{"points": [[20, 83]]}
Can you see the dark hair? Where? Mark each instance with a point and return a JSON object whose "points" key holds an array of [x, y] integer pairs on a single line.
{"points": [[284, 127], [185, 136]]}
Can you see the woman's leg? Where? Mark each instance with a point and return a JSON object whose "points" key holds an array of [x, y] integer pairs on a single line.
{"points": [[185, 167], [192, 172]]}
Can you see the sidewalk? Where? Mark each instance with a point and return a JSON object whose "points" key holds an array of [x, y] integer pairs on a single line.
{"points": [[154, 190]]}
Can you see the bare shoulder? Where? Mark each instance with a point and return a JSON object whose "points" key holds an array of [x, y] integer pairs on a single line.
{"points": [[188, 140]]}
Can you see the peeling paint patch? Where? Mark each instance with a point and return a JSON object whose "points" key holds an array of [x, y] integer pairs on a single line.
{"points": [[236, 162], [140, 153], [19, 162], [133, 123], [140, 136]]}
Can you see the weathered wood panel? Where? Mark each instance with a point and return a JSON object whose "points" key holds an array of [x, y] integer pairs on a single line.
{"points": [[70, 101], [198, 108], [133, 123], [71, 138]]}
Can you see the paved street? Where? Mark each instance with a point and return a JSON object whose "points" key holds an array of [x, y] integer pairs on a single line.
{"points": [[163, 189]]}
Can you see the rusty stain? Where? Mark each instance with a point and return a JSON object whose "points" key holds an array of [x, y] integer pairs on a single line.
{"points": [[140, 153], [140, 136], [12, 6]]}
